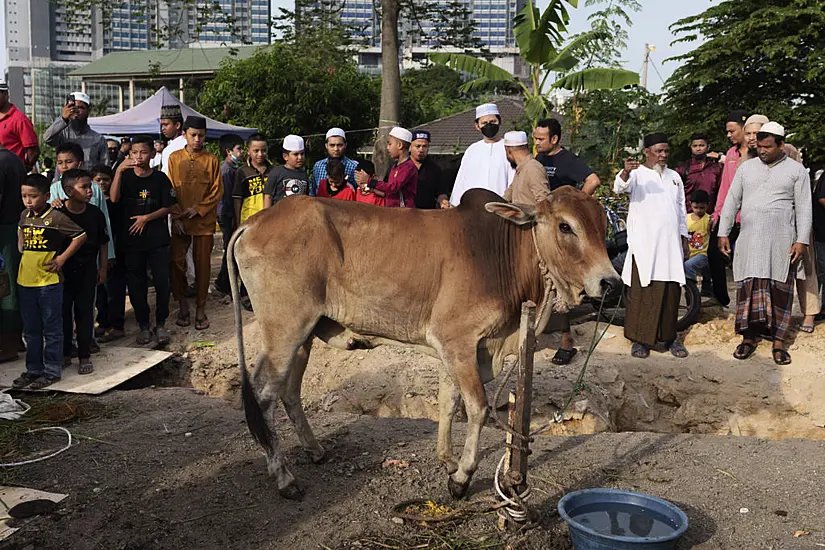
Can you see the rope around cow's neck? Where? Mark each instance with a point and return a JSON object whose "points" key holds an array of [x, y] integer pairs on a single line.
{"points": [[549, 284]]}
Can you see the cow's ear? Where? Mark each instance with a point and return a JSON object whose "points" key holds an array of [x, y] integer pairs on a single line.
{"points": [[517, 213]]}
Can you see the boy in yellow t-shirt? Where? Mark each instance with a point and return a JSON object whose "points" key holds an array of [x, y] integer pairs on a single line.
{"points": [[698, 224]]}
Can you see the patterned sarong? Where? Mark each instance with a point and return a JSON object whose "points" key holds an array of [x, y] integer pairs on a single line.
{"points": [[764, 305]]}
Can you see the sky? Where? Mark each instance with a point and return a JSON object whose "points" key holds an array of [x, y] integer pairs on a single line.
{"points": [[649, 26]]}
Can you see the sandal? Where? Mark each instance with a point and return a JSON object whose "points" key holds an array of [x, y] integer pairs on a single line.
{"points": [[143, 337], [86, 368], [201, 324], [67, 362], [744, 350], [564, 356], [23, 380], [807, 329], [639, 351], [111, 336], [781, 357], [183, 320], [163, 335], [43, 382], [100, 330], [678, 350]]}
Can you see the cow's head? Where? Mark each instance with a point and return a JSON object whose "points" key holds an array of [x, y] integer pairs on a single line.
{"points": [[570, 237]]}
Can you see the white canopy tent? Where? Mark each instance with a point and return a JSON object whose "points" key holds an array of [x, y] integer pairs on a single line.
{"points": [[144, 118]]}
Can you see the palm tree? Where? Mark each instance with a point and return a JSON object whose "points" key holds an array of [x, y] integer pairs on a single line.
{"points": [[537, 37]]}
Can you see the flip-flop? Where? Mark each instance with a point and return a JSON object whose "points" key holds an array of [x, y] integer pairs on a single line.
{"points": [[678, 350], [781, 357], [639, 351], [201, 324], [744, 350], [183, 321], [564, 356], [86, 368]]}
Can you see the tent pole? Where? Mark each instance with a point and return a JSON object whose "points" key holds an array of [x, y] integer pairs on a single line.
{"points": [[180, 88], [131, 93], [120, 97]]}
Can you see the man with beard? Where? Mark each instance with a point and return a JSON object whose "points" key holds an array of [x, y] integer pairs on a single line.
{"points": [[72, 125], [530, 181], [16, 131], [657, 238], [433, 189], [736, 155], [336, 145], [484, 164], [773, 195]]}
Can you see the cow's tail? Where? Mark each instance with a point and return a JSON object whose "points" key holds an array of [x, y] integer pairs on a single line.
{"points": [[255, 420]]}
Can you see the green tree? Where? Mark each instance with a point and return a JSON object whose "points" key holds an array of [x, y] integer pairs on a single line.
{"points": [[764, 56], [432, 93], [605, 126], [539, 37], [289, 88]]}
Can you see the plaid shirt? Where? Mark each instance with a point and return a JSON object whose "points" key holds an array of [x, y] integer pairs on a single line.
{"points": [[319, 173]]}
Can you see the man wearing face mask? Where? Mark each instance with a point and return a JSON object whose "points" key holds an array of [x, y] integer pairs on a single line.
{"points": [[657, 238], [72, 125], [484, 164], [701, 172]]}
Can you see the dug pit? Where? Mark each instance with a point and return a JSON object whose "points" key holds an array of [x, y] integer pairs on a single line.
{"points": [[710, 392]]}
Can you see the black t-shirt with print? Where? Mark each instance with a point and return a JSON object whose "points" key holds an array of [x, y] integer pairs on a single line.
{"points": [[564, 168], [141, 196], [284, 182], [93, 222]]}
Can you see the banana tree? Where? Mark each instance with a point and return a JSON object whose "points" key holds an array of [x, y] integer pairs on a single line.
{"points": [[538, 37]]}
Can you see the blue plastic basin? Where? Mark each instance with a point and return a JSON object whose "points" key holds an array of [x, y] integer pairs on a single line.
{"points": [[609, 519]]}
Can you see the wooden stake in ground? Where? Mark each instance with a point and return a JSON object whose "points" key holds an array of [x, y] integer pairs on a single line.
{"points": [[520, 404]]}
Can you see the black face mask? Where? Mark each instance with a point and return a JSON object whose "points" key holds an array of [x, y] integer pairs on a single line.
{"points": [[700, 156], [489, 130]]}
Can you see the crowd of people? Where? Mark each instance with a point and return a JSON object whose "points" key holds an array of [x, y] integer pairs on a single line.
{"points": [[120, 216]]}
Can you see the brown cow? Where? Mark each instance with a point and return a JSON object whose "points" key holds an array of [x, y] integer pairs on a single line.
{"points": [[451, 283]]}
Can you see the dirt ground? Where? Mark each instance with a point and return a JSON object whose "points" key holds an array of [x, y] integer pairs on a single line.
{"points": [[736, 445]]}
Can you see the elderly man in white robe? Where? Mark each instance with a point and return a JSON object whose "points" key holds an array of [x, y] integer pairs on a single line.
{"points": [[657, 238], [485, 163], [773, 194]]}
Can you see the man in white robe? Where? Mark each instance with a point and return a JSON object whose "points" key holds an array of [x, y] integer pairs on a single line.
{"points": [[657, 238], [485, 163]]}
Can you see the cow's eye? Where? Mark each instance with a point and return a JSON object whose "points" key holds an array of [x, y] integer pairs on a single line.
{"points": [[565, 228]]}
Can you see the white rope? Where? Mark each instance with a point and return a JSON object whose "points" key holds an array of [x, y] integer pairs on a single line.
{"points": [[514, 509], [54, 454]]}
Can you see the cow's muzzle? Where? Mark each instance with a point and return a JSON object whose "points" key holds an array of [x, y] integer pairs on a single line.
{"points": [[611, 286]]}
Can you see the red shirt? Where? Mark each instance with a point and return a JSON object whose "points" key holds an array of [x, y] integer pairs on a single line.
{"points": [[403, 182], [697, 176], [16, 132], [345, 194], [371, 198]]}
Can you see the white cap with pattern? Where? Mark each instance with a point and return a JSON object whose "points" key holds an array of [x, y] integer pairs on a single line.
{"points": [[487, 109], [515, 139]]}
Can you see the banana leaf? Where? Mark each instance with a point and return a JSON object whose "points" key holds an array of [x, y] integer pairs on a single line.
{"points": [[598, 79]]}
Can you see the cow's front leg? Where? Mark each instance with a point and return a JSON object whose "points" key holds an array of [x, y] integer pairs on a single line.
{"points": [[448, 400], [465, 369]]}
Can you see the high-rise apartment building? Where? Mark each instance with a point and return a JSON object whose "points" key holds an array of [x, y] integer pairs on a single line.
{"points": [[493, 28], [43, 45]]}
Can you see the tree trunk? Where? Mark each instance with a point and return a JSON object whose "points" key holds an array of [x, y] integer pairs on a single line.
{"points": [[390, 114]]}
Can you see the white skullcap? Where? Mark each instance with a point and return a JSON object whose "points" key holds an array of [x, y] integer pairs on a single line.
{"points": [[756, 119], [80, 96], [293, 143], [486, 109], [515, 139], [773, 128], [336, 132], [401, 133]]}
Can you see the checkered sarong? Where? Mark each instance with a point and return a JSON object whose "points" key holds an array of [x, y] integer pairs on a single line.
{"points": [[765, 305]]}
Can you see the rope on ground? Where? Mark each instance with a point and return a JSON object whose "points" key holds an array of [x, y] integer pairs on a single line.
{"points": [[514, 506], [578, 386], [42, 458]]}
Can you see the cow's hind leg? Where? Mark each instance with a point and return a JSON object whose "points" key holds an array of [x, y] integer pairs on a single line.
{"points": [[448, 400], [267, 381], [464, 368], [294, 408]]}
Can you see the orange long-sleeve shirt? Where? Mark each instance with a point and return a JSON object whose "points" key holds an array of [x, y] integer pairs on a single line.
{"points": [[196, 179]]}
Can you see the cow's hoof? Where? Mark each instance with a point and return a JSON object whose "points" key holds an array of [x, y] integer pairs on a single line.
{"points": [[292, 492], [457, 490], [450, 465], [319, 456]]}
